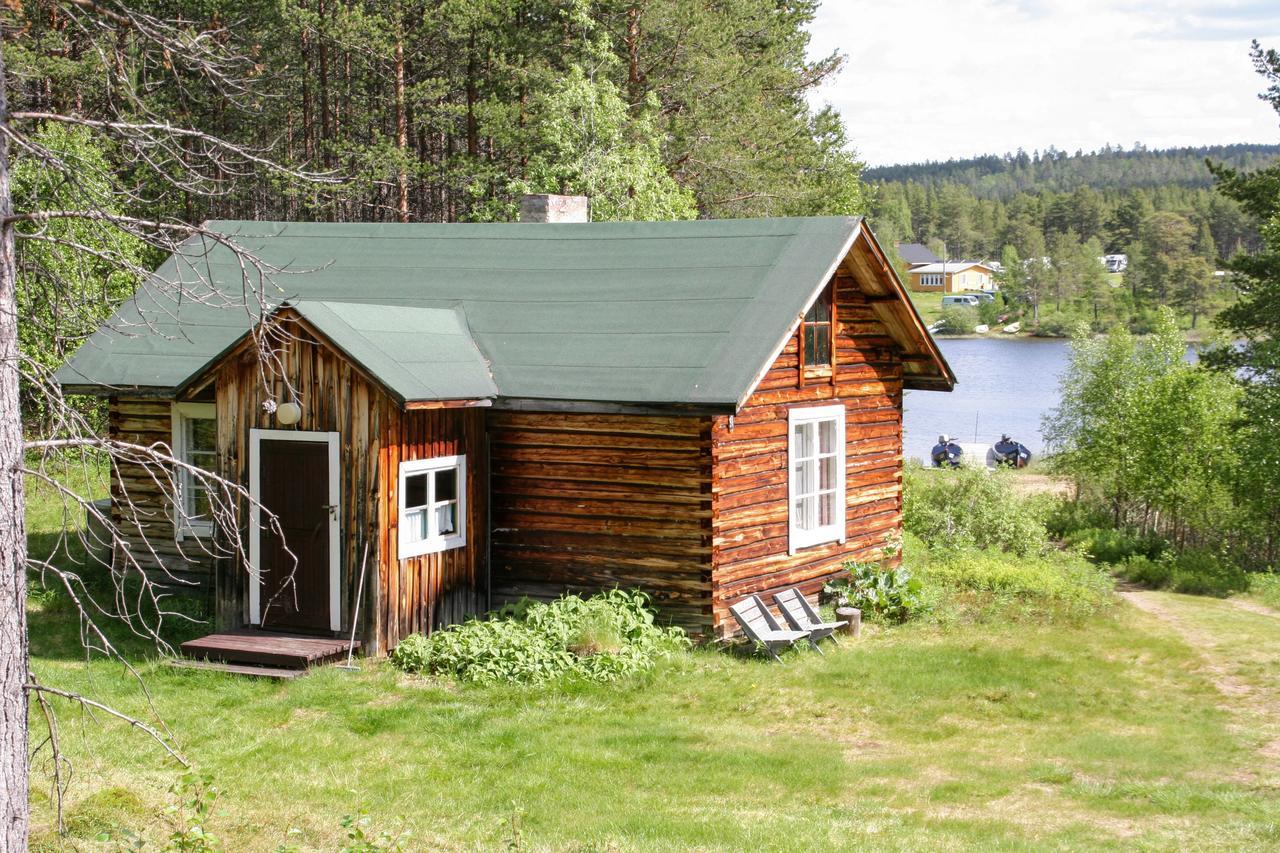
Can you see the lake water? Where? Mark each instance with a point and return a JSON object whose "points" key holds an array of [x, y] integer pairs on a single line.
{"points": [[1003, 385]]}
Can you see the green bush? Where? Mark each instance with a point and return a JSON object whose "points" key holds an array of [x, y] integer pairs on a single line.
{"points": [[1191, 572], [1202, 573], [891, 594], [967, 509], [1055, 327], [1266, 586], [990, 312], [1109, 545], [956, 321], [1144, 571], [601, 638], [1058, 581], [1144, 321], [1065, 517]]}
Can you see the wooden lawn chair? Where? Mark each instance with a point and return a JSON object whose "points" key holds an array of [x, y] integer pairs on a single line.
{"points": [[801, 616], [760, 626]]}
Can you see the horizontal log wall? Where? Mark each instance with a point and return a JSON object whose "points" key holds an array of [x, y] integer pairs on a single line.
{"points": [[583, 502], [749, 474], [142, 500], [401, 596]]}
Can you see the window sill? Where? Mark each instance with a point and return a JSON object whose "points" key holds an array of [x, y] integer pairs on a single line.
{"points": [[815, 539], [818, 372], [420, 549], [201, 532]]}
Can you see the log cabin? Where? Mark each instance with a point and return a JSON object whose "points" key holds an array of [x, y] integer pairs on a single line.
{"points": [[466, 414]]}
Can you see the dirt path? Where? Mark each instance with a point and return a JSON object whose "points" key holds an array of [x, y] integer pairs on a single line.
{"points": [[1253, 607], [1253, 703]]}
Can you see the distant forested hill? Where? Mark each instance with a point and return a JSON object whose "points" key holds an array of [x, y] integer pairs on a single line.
{"points": [[1048, 216], [1004, 176]]}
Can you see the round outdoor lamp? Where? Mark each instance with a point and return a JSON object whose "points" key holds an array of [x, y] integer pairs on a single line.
{"points": [[288, 414]]}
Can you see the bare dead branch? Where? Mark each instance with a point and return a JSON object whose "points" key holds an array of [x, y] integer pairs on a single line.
{"points": [[91, 706]]}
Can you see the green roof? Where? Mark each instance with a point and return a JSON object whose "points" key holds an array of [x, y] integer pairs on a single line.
{"points": [[416, 353], [639, 312]]}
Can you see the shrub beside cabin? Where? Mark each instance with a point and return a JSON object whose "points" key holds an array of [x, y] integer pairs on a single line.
{"points": [[700, 409]]}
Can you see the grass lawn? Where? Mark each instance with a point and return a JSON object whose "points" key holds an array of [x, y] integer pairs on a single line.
{"points": [[1114, 732], [928, 304]]}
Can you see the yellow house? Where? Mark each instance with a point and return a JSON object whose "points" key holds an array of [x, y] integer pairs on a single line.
{"points": [[952, 277]]}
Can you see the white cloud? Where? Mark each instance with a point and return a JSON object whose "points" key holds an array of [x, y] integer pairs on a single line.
{"points": [[938, 79]]}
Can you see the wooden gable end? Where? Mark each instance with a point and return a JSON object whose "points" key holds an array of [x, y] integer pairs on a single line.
{"points": [[749, 488], [376, 434]]}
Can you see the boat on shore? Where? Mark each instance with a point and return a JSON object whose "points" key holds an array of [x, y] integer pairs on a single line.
{"points": [[949, 453]]}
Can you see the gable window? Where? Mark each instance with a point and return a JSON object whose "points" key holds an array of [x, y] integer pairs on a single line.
{"points": [[433, 505], [195, 442], [816, 482], [815, 332]]}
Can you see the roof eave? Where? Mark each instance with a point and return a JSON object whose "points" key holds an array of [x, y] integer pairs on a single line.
{"points": [[944, 379]]}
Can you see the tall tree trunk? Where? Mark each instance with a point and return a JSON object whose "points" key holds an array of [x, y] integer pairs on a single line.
{"points": [[326, 134], [633, 55], [473, 130], [308, 131], [402, 136], [13, 541]]}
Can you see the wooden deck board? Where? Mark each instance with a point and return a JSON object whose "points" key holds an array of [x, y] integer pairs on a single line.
{"points": [[268, 649], [239, 669]]}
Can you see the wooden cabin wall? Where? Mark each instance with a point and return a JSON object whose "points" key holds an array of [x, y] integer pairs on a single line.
{"points": [[750, 467], [584, 502], [401, 597], [183, 567], [420, 594]]}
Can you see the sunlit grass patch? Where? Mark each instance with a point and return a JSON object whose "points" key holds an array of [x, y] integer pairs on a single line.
{"points": [[1101, 731]]}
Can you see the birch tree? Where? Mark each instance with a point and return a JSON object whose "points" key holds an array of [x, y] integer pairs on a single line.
{"points": [[144, 64]]}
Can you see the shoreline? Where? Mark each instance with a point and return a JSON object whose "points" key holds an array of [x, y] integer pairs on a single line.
{"points": [[1196, 337]]}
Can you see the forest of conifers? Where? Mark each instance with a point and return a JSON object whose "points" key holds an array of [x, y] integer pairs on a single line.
{"points": [[448, 110], [1159, 207]]}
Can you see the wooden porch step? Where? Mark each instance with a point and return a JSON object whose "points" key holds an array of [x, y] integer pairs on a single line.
{"points": [[238, 668], [265, 648]]}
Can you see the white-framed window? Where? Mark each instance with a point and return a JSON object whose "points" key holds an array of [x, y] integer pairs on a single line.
{"points": [[816, 479], [195, 442], [433, 505]]}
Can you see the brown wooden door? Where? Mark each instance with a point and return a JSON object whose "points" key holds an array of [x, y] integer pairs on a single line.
{"points": [[294, 484]]}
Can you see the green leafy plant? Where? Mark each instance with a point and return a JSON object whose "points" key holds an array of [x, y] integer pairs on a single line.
{"points": [[601, 638], [362, 837], [191, 815], [968, 508], [956, 321], [1065, 517], [1058, 582], [1266, 586], [1109, 545], [890, 593], [1191, 572]]}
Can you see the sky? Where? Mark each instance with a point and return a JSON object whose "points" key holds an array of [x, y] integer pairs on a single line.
{"points": [[943, 79]]}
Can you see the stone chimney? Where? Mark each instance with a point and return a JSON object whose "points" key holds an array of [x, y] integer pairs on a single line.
{"points": [[554, 208]]}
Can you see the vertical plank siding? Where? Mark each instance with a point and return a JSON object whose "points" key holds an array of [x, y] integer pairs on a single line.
{"points": [[148, 528], [583, 503], [401, 596], [750, 469]]}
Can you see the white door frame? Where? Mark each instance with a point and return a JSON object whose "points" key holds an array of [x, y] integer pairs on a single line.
{"points": [[255, 516]]}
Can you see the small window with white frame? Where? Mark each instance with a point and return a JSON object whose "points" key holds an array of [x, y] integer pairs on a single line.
{"points": [[816, 479], [433, 505], [195, 442]]}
